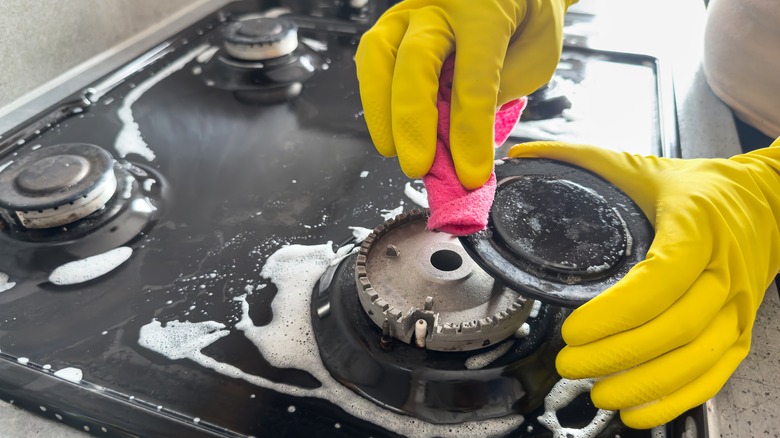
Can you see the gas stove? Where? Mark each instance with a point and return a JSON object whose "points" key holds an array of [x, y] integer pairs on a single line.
{"points": [[204, 242]]}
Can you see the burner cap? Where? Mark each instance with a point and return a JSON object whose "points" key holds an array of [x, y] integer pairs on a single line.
{"points": [[257, 39], [57, 185], [407, 274], [559, 233]]}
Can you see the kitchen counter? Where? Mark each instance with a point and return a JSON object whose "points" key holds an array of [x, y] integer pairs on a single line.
{"points": [[748, 404]]}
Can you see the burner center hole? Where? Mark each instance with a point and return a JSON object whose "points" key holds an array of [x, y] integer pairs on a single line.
{"points": [[446, 260]]}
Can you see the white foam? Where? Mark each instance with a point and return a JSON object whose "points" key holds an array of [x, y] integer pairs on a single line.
{"points": [[559, 397], [23, 360], [482, 360], [418, 197], [148, 182], [4, 283], [535, 309], [391, 214], [360, 233], [129, 139], [70, 374], [91, 267], [364, 174], [523, 331], [287, 342]]}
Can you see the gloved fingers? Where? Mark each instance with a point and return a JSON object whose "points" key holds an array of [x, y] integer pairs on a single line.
{"points": [[677, 325], [421, 54], [674, 263], [691, 395], [375, 63], [474, 91], [666, 374], [631, 173], [526, 68]]}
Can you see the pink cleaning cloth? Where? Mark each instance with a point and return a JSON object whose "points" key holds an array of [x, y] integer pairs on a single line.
{"points": [[455, 210]]}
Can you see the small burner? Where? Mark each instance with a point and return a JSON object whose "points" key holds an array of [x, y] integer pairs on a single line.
{"points": [[407, 274], [258, 39], [261, 61], [58, 185]]}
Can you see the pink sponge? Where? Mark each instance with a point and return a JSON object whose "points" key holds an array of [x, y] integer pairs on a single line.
{"points": [[454, 209]]}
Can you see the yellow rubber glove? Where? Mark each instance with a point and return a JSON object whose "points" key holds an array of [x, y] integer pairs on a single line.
{"points": [[668, 335], [507, 45]]}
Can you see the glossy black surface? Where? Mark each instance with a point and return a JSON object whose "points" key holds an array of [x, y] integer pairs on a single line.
{"points": [[233, 183]]}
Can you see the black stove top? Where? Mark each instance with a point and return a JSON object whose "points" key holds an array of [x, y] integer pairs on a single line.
{"points": [[238, 182]]}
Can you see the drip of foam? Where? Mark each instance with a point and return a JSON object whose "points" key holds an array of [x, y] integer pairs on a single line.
{"points": [[391, 214], [482, 360], [70, 374], [287, 342], [91, 267], [4, 283], [129, 139], [561, 395], [418, 197], [360, 233]]}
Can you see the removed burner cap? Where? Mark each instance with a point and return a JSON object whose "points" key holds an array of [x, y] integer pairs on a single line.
{"points": [[559, 233], [257, 39], [407, 274], [57, 185]]}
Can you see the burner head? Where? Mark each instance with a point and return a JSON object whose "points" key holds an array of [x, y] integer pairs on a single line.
{"points": [[407, 274], [257, 39], [559, 233], [57, 185]]}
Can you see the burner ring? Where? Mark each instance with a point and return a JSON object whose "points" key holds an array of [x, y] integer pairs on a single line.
{"points": [[57, 185], [258, 39], [406, 273]]}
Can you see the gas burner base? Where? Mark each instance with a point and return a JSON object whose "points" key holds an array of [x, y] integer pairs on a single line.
{"points": [[434, 386]]}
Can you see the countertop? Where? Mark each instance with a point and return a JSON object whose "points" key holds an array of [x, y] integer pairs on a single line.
{"points": [[749, 403]]}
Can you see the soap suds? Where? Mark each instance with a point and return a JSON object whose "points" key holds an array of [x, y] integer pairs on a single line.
{"points": [[70, 374], [91, 267], [286, 342], [364, 174], [4, 283], [561, 395], [418, 197], [391, 214], [360, 233], [129, 139], [481, 360]]}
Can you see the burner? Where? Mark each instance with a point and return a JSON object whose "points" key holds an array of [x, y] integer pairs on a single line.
{"points": [[412, 279], [507, 377], [258, 39], [58, 185], [261, 61], [559, 233]]}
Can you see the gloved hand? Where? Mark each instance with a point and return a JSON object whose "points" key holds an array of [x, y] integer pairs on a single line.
{"points": [[506, 49], [668, 335]]}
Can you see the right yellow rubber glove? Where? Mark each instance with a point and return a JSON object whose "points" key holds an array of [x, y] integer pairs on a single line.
{"points": [[505, 49], [668, 335]]}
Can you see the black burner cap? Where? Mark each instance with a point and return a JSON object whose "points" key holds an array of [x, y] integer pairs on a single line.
{"points": [[559, 233], [53, 176]]}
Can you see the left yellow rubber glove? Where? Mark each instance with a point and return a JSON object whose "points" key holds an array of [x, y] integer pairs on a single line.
{"points": [[668, 335], [506, 47]]}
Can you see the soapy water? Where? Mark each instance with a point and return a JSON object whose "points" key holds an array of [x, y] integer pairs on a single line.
{"points": [[561, 395], [70, 374], [4, 283], [419, 197], [129, 140], [90, 268], [287, 342]]}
